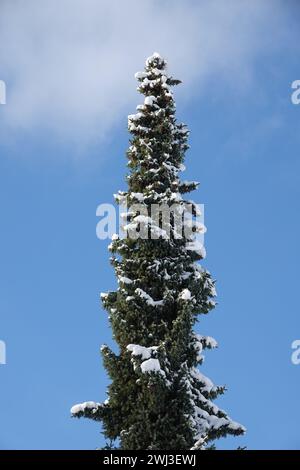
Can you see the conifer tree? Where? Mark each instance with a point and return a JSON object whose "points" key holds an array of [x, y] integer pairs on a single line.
{"points": [[158, 398]]}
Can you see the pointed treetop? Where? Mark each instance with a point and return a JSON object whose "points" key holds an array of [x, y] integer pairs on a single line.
{"points": [[155, 60], [155, 75]]}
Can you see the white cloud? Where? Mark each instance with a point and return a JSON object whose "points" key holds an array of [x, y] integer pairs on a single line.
{"points": [[69, 64]]}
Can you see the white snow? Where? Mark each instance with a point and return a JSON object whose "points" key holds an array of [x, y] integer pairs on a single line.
{"points": [[139, 196], [176, 197], [234, 425], [137, 350], [207, 340], [134, 117], [156, 71], [133, 127], [81, 407], [210, 285], [154, 56], [205, 416], [199, 444], [115, 236], [149, 100], [125, 280], [183, 131], [151, 365], [185, 275], [148, 299], [140, 75], [185, 294], [197, 375]]}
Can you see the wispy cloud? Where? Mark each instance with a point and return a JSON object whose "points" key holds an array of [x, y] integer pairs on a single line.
{"points": [[69, 64]]}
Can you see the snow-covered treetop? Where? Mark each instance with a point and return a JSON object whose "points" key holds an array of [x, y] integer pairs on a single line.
{"points": [[155, 60], [155, 77]]}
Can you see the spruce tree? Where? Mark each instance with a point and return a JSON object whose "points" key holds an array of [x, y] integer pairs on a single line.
{"points": [[158, 398]]}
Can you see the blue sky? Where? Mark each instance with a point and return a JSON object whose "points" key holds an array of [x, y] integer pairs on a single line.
{"points": [[62, 152]]}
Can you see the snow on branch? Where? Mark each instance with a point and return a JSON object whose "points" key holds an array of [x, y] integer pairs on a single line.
{"points": [[148, 299], [142, 351], [185, 294], [82, 408], [149, 364]]}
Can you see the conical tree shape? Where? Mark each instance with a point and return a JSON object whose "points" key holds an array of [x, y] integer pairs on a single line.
{"points": [[158, 399]]}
